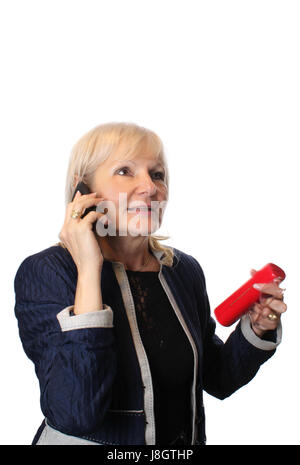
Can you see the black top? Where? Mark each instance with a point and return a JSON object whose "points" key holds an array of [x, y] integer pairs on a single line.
{"points": [[170, 357]]}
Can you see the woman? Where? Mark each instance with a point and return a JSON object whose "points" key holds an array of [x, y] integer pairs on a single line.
{"points": [[118, 325]]}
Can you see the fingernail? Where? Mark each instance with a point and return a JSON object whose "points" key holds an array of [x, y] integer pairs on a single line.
{"points": [[257, 286]]}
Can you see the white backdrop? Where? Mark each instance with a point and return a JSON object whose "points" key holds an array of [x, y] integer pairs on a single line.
{"points": [[219, 82]]}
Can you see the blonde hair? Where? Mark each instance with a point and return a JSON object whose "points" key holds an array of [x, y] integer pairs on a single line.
{"points": [[101, 142]]}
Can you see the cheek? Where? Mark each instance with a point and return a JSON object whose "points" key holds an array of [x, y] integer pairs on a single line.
{"points": [[112, 192], [163, 193], [118, 199]]}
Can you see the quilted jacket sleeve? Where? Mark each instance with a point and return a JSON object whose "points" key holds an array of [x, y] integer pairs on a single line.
{"points": [[74, 356], [230, 365]]}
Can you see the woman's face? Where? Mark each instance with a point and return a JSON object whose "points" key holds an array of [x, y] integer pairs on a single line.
{"points": [[125, 185]]}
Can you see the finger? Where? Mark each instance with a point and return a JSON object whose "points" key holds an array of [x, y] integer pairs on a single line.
{"points": [[276, 305], [71, 208], [260, 312], [78, 194], [272, 289], [256, 319], [259, 316], [266, 311], [255, 311], [262, 321], [81, 197], [82, 203], [252, 272], [91, 217]]}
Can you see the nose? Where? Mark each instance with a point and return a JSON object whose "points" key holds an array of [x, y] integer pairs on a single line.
{"points": [[146, 185]]}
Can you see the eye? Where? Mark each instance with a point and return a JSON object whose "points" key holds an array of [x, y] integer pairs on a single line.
{"points": [[160, 175], [125, 169]]}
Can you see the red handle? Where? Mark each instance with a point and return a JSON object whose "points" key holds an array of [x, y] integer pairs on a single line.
{"points": [[229, 311]]}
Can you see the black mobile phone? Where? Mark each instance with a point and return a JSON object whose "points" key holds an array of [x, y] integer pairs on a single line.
{"points": [[83, 189]]}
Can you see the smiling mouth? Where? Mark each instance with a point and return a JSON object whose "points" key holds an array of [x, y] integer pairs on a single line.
{"points": [[140, 210]]}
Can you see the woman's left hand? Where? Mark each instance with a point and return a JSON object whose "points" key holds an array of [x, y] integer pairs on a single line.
{"points": [[265, 314]]}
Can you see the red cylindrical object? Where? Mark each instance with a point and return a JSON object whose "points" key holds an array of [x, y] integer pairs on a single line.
{"points": [[229, 311]]}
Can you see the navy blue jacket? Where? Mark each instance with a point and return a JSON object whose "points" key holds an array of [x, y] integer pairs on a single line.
{"points": [[94, 377]]}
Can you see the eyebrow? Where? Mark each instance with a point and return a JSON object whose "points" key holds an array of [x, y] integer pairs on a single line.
{"points": [[132, 161]]}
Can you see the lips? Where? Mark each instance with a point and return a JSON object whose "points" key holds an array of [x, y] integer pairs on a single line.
{"points": [[138, 209]]}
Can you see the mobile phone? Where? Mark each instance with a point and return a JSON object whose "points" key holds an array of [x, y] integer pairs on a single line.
{"points": [[84, 189]]}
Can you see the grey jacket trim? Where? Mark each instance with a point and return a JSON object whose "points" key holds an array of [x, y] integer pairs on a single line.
{"points": [[52, 437], [141, 354], [251, 337], [104, 318], [97, 319]]}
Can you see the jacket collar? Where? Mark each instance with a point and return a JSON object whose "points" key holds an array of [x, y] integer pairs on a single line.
{"points": [[159, 254]]}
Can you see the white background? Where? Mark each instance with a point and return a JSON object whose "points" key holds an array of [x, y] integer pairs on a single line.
{"points": [[219, 82]]}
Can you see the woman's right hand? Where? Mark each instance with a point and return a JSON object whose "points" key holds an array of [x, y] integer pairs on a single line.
{"points": [[78, 236]]}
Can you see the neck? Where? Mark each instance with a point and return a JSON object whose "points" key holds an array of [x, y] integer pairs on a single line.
{"points": [[133, 252]]}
